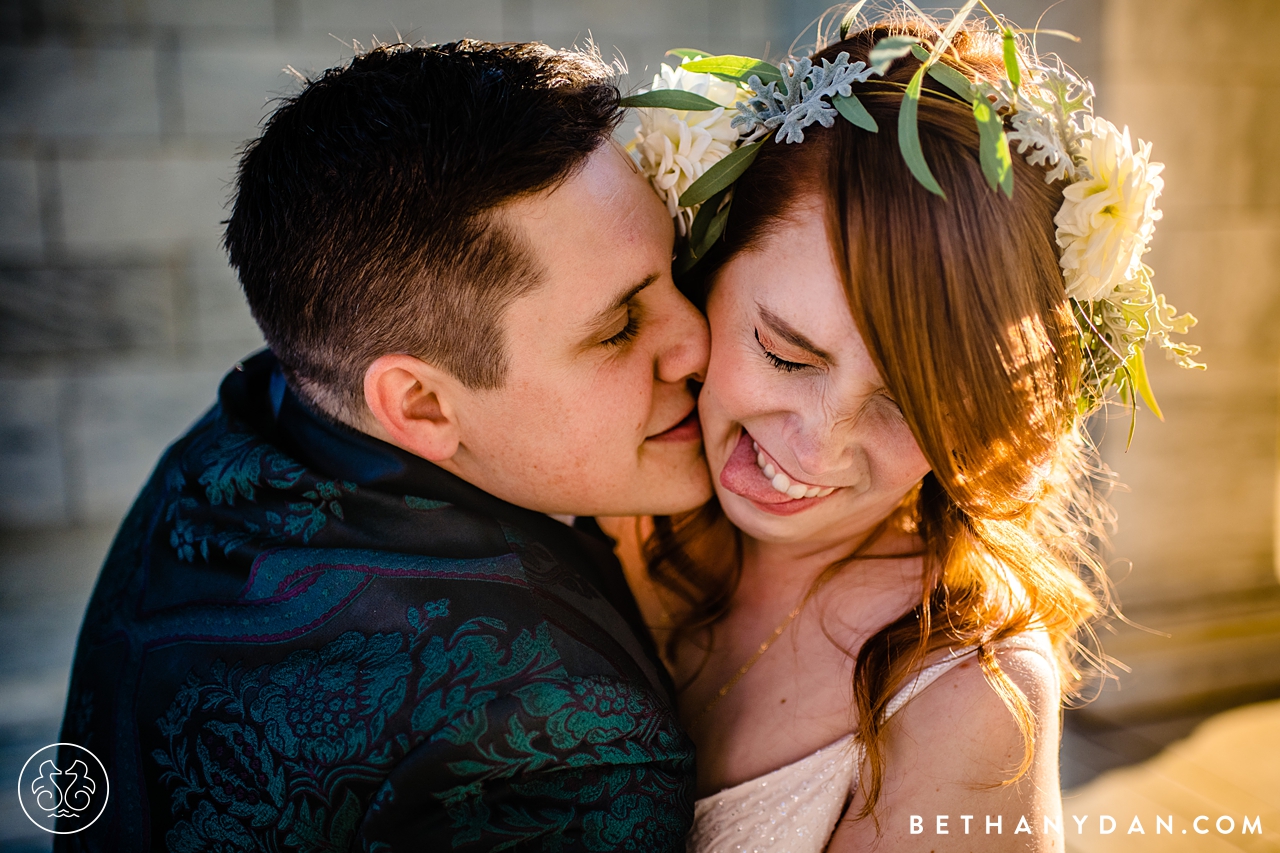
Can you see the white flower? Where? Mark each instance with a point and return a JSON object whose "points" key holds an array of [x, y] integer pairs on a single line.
{"points": [[1107, 220], [676, 146]]}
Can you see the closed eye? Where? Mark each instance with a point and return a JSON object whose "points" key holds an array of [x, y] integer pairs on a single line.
{"points": [[627, 334], [779, 362]]}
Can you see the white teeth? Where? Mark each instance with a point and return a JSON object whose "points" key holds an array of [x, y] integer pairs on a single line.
{"points": [[782, 483]]}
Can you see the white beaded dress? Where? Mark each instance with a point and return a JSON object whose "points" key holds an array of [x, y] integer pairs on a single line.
{"points": [[794, 809]]}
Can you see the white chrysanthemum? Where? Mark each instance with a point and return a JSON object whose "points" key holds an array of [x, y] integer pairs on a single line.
{"points": [[676, 146], [1107, 220]]}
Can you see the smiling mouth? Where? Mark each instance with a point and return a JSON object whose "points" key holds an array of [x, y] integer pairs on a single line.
{"points": [[687, 429], [746, 474], [793, 489]]}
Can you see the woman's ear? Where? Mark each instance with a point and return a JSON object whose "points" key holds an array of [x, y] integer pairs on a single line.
{"points": [[413, 405]]}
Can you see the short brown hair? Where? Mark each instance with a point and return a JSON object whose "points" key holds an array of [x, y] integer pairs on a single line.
{"points": [[362, 223]]}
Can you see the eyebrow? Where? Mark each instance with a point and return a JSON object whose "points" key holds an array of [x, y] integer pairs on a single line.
{"points": [[603, 316], [791, 334]]}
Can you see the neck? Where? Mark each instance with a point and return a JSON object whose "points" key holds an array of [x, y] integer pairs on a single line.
{"points": [[794, 566]]}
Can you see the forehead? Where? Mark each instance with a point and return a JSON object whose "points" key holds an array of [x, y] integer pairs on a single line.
{"points": [[792, 274], [600, 227]]}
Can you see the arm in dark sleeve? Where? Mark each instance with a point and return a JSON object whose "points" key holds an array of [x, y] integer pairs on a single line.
{"points": [[571, 764]]}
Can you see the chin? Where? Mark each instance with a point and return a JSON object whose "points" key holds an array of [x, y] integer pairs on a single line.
{"points": [[674, 498]]}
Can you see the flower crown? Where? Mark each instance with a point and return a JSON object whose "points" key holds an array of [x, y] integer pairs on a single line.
{"points": [[703, 123]]}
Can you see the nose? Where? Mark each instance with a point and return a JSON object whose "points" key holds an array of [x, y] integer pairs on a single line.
{"points": [[686, 346]]}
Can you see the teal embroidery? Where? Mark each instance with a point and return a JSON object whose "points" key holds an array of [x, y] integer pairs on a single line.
{"points": [[234, 467], [329, 707], [423, 503], [283, 755], [209, 832], [238, 467]]}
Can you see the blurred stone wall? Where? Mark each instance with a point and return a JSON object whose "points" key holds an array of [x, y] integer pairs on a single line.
{"points": [[1198, 519], [120, 121]]}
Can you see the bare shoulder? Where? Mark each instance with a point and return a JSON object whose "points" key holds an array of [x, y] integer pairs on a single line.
{"points": [[948, 753]]}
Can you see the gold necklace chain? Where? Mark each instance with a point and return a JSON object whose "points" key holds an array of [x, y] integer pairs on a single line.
{"points": [[750, 662]]}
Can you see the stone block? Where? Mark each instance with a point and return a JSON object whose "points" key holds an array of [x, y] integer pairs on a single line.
{"points": [[55, 92], [246, 15], [227, 90], [1192, 654], [1216, 139], [119, 423], [432, 21], [32, 474], [62, 311], [88, 20], [1226, 271], [157, 204], [1150, 38], [687, 20], [20, 214], [1196, 515], [222, 318]]}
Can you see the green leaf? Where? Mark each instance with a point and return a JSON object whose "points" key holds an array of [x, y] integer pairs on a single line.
{"points": [[721, 175], [993, 147], [701, 222], [1138, 373], [708, 225], [670, 99], [888, 49], [1011, 59], [909, 135], [850, 18], [736, 69], [688, 53], [946, 75], [852, 109]]}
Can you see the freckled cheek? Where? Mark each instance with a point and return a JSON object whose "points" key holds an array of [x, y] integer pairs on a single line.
{"points": [[734, 389], [897, 456]]}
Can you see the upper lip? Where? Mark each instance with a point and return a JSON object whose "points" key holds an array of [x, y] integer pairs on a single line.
{"points": [[693, 409]]}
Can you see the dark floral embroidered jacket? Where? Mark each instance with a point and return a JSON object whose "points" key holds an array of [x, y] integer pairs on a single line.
{"points": [[306, 639]]}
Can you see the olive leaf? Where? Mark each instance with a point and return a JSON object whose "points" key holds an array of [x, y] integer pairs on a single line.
{"points": [[1137, 369], [909, 135], [720, 175], [1011, 59], [852, 109], [888, 49], [850, 18], [736, 69], [946, 75], [993, 147], [670, 99], [708, 225]]}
